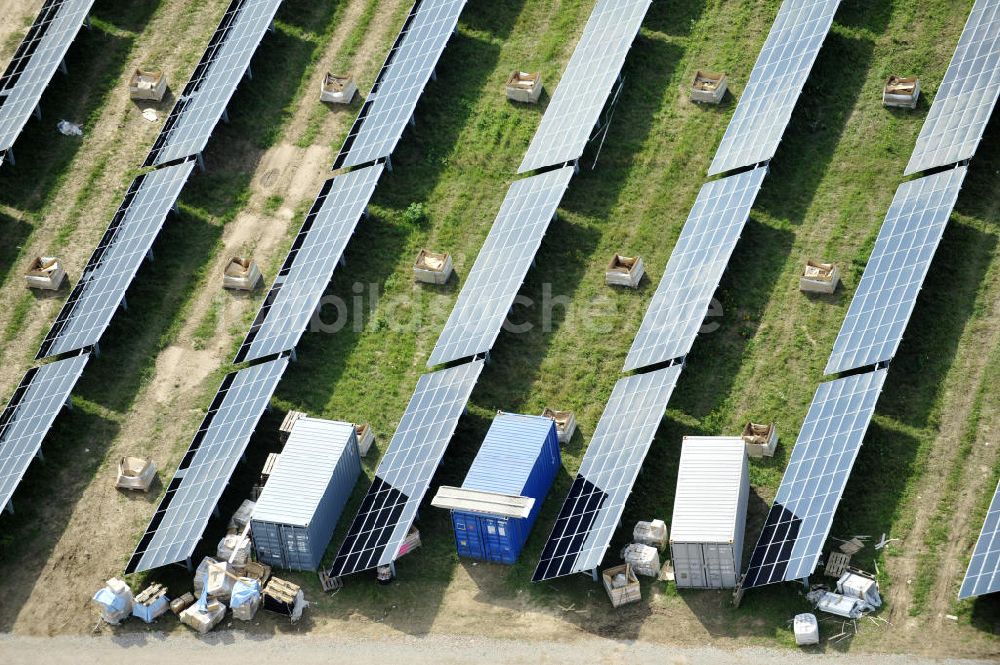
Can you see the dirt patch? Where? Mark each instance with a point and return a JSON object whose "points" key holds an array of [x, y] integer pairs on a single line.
{"points": [[179, 371]]}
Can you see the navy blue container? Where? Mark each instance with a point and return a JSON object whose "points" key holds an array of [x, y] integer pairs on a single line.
{"points": [[519, 457]]}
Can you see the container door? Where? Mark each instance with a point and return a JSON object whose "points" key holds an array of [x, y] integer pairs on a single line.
{"points": [[720, 571], [267, 543], [498, 536], [689, 565], [467, 538]]}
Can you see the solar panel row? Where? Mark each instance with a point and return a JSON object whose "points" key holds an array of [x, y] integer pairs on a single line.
{"points": [[404, 474], [500, 268], [596, 500], [197, 111], [702, 252], [983, 574], [34, 63], [775, 84], [319, 245], [887, 294], [28, 416], [800, 518], [197, 485], [964, 102], [400, 82], [114, 264], [583, 91]]}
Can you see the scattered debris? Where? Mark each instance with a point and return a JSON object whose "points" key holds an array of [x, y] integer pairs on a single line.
{"points": [[666, 572], [951, 617], [901, 92], [652, 533], [835, 603], [622, 585], [178, 605], [241, 274], [819, 277], [883, 542], [856, 584], [67, 128], [806, 629], [644, 559], [624, 271], [246, 599], [135, 473], [147, 84], [150, 115], [45, 272], [329, 582], [708, 87], [151, 603], [286, 425], [337, 89], [565, 423], [283, 597], [234, 549], [432, 267], [204, 615], [836, 564], [524, 87], [115, 601], [852, 546], [761, 440], [410, 543]]}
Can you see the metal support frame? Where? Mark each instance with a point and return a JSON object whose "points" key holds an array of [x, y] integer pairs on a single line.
{"points": [[225, 116], [9, 157], [248, 73], [124, 304], [62, 67], [603, 127], [201, 164]]}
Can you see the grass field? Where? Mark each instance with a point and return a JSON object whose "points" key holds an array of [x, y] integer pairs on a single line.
{"points": [[924, 475]]}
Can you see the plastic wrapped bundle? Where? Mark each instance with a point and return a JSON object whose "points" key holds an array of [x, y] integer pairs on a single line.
{"points": [[115, 601], [245, 599], [645, 560]]}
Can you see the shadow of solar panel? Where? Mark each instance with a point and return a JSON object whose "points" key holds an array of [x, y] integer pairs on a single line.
{"points": [[610, 466], [28, 416], [114, 264], [983, 574], [964, 102], [207, 466], [792, 541], [35, 61], [696, 265], [576, 519], [406, 71], [407, 467], [319, 245], [500, 268], [775, 84], [904, 249], [768, 564], [583, 90], [200, 107], [371, 530]]}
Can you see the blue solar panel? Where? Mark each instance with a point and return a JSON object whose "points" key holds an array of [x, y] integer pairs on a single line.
{"points": [[983, 575]]}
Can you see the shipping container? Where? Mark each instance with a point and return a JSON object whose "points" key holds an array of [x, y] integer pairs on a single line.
{"points": [[710, 512], [493, 511], [303, 498]]}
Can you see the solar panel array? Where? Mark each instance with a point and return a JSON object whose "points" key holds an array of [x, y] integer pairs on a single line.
{"points": [[35, 61], [964, 102], [595, 65], [207, 467], [198, 110], [400, 82], [307, 270], [800, 518], [28, 416], [594, 505], [888, 291], [500, 268], [404, 474], [983, 574], [115, 262], [702, 252], [775, 84]]}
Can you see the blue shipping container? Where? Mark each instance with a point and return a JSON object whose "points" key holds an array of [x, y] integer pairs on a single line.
{"points": [[519, 457]]}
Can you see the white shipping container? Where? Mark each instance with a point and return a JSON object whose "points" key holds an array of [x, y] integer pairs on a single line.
{"points": [[710, 511]]}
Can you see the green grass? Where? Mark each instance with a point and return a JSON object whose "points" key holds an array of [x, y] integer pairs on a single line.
{"points": [[830, 184]]}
